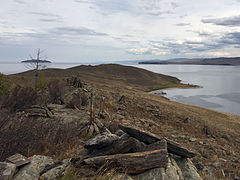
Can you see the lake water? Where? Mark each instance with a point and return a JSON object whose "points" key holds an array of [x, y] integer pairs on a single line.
{"points": [[221, 84]]}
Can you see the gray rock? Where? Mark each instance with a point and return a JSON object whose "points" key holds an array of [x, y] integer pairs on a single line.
{"points": [[32, 170], [56, 171], [7, 170], [177, 169], [119, 132], [120, 176], [171, 172], [189, 171], [18, 159], [100, 141]]}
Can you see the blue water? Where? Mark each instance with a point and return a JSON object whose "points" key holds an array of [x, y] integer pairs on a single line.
{"points": [[221, 85]]}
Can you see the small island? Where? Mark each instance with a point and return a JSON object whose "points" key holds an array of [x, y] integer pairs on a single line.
{"points": [[36, 60]]}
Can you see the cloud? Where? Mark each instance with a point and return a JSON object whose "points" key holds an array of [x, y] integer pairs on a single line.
{"points": [[83, 31], [182, 24], [20, 1], [45, 14], [232, 38], [211, 45], [232, 21], [51, 20]]}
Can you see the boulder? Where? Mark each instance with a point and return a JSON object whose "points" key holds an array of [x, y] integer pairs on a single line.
{"points": [[177, 169], [32, 171], [100, 141], [189, 171], [171, 172], [56, 171], [7, 170], [18, 159]]}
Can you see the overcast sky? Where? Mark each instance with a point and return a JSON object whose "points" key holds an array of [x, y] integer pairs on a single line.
{"points": [[109, 30]]}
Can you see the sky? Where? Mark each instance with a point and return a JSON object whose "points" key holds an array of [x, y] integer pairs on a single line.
{"points": [[113, 30]]}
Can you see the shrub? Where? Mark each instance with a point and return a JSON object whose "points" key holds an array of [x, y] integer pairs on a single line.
{"points": [[4, 85], [77, 99], [56, 91], [20, 98]]}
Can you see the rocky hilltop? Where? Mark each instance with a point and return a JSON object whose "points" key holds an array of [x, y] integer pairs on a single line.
{"points": [[96, 122]]}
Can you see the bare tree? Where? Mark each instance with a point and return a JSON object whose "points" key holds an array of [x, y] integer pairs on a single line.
{"points": [[36, 64]]}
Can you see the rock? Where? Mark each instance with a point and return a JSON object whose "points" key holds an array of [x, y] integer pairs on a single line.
{"points": [[100, 141], [122, 100], [189, 171], [7, 170], [119, 132], [18, 160], [56, 171], [177, 169], [76, 99], [192, 139], [32, 171], [171, 172], [121, 176], [37, 112]]}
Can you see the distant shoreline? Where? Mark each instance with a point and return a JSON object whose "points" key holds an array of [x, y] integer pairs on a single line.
{"points": [[222, 61]]}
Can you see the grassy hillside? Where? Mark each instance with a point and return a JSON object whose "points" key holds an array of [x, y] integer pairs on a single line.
{"points": [[107, 74], [213, 135]]}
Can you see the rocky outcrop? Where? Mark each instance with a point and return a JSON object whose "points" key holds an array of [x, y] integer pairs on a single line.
{"points": [[33, 168], [180, 169], [32, 171], [7, 170], [100, 141], [56, 170], [139, 152]]}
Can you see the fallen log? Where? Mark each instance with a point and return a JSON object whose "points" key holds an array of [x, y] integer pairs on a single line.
{"points": [[155, 146], [175, 148], [124, 145], [131, 163], [150, 138], [141, 135]]}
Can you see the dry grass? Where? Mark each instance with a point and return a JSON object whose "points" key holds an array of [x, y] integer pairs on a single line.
{"points": [[154, 113]]}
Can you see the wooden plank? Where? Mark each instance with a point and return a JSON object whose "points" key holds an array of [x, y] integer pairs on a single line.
{"points": [[150, 138], [131, 163], [119, 147], [155, 146]]}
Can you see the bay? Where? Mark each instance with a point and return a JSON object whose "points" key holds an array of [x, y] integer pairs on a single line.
{"points": [[221, 84]]}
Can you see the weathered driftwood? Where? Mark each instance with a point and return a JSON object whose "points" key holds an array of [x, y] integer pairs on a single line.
{"points": [[18, 160], [175, 148], [155, 146], [118, 147], [150, 138], [139, 134], [131, 163]]}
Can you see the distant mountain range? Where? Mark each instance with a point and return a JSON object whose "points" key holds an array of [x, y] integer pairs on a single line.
{"points": [[227, 61]]}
